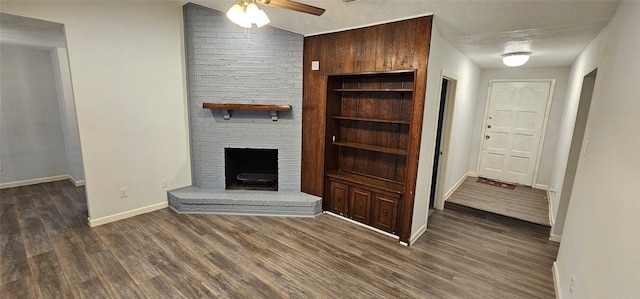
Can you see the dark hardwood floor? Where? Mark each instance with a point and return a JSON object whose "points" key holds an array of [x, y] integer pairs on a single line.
{"points": [[48, 251], [524, 203]]}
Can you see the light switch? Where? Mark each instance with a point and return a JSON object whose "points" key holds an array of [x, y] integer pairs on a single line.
{"points": [[585, 147], [315, 65]]}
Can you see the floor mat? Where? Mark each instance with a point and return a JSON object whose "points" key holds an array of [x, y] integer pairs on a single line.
{"points": [[496, 183]]}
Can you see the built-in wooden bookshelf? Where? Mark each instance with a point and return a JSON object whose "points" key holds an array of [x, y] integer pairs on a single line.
{"points": [[368, 125], [363, 54]]}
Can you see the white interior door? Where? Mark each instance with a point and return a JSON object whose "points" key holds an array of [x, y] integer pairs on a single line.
{"points": [[514, 123]]}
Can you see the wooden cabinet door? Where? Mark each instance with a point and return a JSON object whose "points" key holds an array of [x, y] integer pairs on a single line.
{"points": [[360, 205], [385, 212], [338, 198]]}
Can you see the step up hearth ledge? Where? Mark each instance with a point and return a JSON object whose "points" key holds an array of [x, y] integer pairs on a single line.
{"points": [[195, 200]]}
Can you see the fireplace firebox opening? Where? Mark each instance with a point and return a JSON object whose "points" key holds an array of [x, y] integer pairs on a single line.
{"points": [[251, 169]]}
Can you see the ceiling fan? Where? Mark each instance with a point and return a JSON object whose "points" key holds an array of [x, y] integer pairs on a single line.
{"points": [[292, 5], [246, 13]]}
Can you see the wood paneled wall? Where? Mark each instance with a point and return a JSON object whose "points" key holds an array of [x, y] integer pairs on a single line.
{"points": [[402, 45]]}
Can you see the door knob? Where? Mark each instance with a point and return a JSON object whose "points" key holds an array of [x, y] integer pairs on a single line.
{"points": [[489, 126], [487, 136]]}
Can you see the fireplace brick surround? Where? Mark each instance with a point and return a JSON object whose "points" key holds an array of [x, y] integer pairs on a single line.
{"points": [[225, 65]]}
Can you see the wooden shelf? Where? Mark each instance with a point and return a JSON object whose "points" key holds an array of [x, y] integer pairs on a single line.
{"points": [[374, 73], [376, 120], [226, 107], [366, 180], [253, 107], [374, 89], [374, 148]]}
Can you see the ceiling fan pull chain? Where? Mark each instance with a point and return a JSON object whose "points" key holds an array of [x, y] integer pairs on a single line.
{"points": [[249, 36]]}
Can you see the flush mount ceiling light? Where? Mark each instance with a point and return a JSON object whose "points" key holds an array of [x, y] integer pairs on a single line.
{"points": [[246, 13], [515, 59]]}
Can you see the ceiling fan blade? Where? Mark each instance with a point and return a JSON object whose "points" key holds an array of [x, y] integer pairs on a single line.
{"points": [[292, 5]]}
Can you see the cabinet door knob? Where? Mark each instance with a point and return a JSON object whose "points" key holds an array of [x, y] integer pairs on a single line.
{"points": [[384, 213]]}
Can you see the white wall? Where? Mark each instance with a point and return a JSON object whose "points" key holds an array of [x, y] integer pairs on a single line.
{"points": [[443, 58], [68, 114], [587, 62], [127, 67], [31, 139], [557, 105], [600, 243]]}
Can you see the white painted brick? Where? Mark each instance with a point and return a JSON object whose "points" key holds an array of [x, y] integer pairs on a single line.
{"points": [[225, 66]]}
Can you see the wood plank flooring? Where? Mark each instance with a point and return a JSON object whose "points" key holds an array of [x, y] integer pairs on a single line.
{"points": [[47, 251], [522, 203]]}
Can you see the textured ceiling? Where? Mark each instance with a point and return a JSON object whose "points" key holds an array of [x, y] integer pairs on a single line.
{"points": [[554, 31]]}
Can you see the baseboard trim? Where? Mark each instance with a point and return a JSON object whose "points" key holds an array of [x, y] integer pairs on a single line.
{"points": [[49, 179], [541, 187], [440, 205], [556, 283], [457, 185], [127, 214], [363, 225], [417, 234], [555, 238], [78, 183], [552, 218], [472, 174]]}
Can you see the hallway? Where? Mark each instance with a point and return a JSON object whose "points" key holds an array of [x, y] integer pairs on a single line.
{"points": [[522, 203]]}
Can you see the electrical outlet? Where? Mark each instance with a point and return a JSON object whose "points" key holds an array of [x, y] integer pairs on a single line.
{"points": [[164, 183], [573, 284], [123, 192]]}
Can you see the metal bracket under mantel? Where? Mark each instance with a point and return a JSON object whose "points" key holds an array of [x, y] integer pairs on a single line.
{"points": [[227, 107]]}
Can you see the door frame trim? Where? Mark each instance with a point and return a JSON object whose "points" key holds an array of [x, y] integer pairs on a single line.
{"points": [[545, 122], [445, 141], [438, 201]]}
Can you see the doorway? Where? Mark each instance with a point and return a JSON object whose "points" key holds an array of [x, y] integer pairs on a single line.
{"points": [[441, 149], [514, 128], [575, 149], [40, 140]]}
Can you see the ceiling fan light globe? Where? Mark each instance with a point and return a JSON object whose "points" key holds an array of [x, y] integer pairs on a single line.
{"points": [[252, 11], [262, 19], [239, 21], [235, 13], [244, 22]]}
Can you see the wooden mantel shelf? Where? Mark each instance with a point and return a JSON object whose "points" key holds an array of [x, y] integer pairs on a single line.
{"points": [[226, 107]]}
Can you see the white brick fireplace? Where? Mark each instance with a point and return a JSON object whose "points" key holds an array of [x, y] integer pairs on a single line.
{"points": [[225, 65]]}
